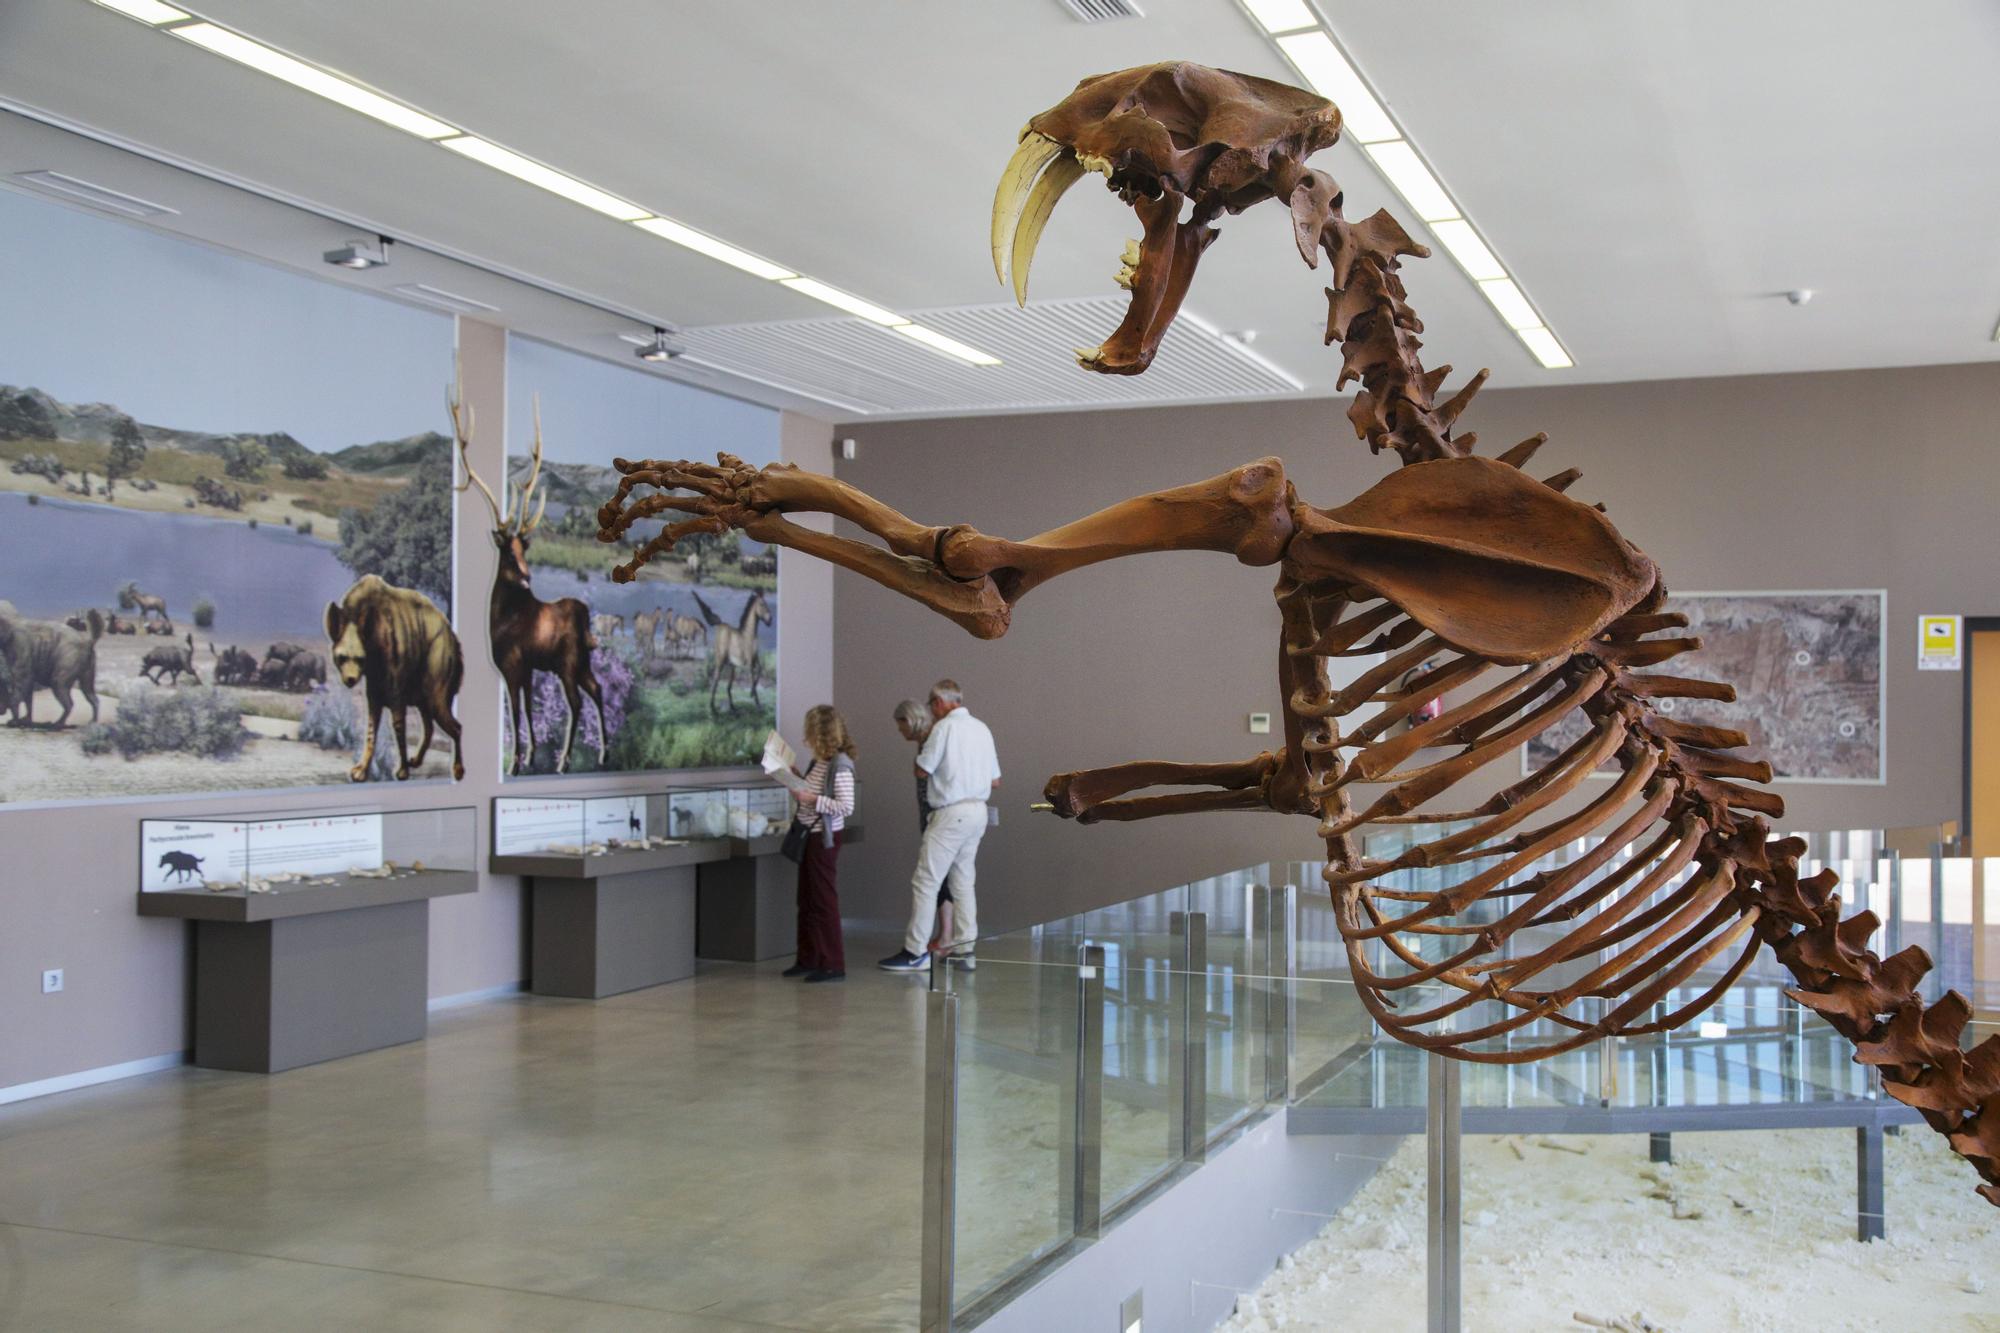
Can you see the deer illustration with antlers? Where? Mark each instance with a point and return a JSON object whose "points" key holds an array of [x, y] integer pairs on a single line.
{"points": [[529, 634]]}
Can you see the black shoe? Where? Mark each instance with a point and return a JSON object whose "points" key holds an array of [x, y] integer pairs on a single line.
{"points": [[825, 976], [904, 961], [795, 970]]}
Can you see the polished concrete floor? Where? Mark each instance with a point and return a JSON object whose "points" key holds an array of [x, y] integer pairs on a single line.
{"points": [[733, 1152]]}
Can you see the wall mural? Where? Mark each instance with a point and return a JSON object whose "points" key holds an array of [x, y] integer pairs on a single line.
{"points": [[1808, 671], [225, 522], [677, 669]]}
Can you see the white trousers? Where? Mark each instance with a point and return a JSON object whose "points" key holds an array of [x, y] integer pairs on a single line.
{"points": [[951, 841]]}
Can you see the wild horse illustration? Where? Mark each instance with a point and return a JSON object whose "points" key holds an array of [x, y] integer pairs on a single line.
{"points": [[733, 648], [1532, 604]]}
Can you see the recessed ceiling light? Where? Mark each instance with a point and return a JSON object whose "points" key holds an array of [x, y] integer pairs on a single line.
{"points": [[442, 299], [146, 11], [853, 305], [312, 79], [1468, 249], [97, 196], [1413, 180], [1546, 348], [1327, 70], [545, 178], [949, 346], [1512, 305], [1281, 15], [668, 229]]}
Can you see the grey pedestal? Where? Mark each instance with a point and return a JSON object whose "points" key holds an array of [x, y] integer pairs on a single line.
{"points": [[749, 904], [611, 933], [308, 974]]}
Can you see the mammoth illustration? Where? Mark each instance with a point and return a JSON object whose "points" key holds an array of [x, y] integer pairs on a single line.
{"points": [[404, 648]]}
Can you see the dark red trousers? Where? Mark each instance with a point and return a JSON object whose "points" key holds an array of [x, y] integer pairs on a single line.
{"points": [[819, 907]]}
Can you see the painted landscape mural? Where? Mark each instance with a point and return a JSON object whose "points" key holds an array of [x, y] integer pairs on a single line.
{"points": [[225, 523], [685, 658]]}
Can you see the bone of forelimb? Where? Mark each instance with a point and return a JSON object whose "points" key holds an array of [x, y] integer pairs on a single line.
{"points": [[1074, 794], [1245, 512], [668, 536], [1431, 685], [1173, 803], [975, 606], [1643, 652]]}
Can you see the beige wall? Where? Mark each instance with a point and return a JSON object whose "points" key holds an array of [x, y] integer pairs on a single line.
{"points": [[1852, 480], [68, 875]]}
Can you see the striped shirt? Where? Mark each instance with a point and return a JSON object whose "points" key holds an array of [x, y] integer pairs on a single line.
{"points": [[817, 805]]}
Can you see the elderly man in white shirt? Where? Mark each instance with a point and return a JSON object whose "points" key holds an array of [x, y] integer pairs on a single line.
{"points": [[963, 769]]}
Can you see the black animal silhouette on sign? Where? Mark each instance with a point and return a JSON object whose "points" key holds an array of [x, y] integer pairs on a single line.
{"points": [[179, 865]]}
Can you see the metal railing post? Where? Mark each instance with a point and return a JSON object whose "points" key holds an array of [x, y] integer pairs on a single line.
{"points": [[1194, 1043], [940, 1158], [1441, 1144], [1087, 1199]]}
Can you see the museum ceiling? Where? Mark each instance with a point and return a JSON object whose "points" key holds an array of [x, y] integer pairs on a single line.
{"points": [[1657, 176]]}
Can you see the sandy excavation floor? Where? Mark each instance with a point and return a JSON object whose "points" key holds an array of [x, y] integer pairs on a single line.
{"points": [[1765, 1241]]}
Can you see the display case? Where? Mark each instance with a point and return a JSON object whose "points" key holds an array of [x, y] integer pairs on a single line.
{"points": [[593, 825], [253, 867], [309, 931]]}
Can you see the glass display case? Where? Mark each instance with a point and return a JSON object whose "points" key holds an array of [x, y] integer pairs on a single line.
{"points": [[268, 853], [579, 826]]}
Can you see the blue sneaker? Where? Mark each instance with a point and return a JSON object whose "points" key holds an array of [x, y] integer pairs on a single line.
{"points": [[904, 961]]}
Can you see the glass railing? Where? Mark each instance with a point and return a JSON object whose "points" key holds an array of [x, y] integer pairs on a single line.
{"points": [[1089, 1062]]}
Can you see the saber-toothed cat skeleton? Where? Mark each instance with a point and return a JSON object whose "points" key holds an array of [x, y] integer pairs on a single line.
{"points": [[1453, 556]]}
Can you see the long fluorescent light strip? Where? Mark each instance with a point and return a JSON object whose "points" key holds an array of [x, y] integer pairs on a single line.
{"points": [[1292, 26], [345, 92], [280, 66]]}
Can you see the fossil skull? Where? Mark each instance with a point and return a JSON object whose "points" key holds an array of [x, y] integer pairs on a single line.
{"points": [[1180, 143]]}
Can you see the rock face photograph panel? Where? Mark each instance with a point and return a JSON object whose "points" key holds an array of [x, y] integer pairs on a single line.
{"points": [[674, 670], [225, 522], [1807, 667]]}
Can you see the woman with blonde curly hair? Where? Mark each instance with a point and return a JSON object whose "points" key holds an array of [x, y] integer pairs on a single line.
{"points": [[825, 794]]}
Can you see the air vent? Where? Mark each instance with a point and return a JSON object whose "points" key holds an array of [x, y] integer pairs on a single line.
{"points": [[1101, 11], [426, 294], [95, 196], [872, 371]]}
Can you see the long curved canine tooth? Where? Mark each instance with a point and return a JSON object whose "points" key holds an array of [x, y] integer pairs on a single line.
{"points": [[1036, 151], [1049, 190]]}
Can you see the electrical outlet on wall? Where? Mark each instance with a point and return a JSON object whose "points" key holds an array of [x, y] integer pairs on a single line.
{"points": [[52, 981]]}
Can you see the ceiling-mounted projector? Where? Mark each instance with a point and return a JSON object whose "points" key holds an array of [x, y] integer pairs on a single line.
{"points": [[361, 254], [659, 349]]}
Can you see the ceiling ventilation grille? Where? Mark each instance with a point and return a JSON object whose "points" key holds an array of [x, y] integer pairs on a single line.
{"points": [[872, 371], [1101, 11], [95, 196]]}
